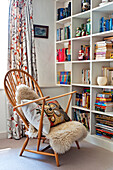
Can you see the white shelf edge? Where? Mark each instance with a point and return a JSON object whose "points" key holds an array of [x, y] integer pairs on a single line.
{"points": [[63, 41], [82, 61], [104, 60], [65, 62], [81, 13], [80, 108], [105, 33], [102, 113], [64, 85], [82, 85], [63, 20], [100, 7], [80, 38], [104, 87], [63, 0]]}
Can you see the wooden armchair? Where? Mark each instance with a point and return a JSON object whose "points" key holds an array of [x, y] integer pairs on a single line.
{"points": [[16, 77]]}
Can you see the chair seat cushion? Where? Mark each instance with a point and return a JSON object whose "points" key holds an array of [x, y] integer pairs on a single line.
{"points": [[62, 136]]}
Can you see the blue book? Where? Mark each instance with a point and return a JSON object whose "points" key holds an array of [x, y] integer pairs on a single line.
{"points": [[58, 31]]}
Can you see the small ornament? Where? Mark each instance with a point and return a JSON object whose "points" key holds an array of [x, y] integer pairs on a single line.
{"points": [[81, 55], [83, 33], [78, 32]]}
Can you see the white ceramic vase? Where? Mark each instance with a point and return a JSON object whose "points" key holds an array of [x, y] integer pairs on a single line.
{"points": [[102, 81]]}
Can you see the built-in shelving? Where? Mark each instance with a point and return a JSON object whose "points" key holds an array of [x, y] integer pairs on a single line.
{"points": [[75, 66]]}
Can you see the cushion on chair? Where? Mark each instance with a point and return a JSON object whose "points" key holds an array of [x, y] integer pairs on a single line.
{"points": [[62, 136], [55, 113], [25, 92], [32, 112]]}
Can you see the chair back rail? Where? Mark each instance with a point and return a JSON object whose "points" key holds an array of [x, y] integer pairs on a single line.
{"points": [[15, 77]]}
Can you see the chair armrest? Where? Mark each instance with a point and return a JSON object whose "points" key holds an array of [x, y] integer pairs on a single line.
{"points": [[52, 98], [36, 100]]}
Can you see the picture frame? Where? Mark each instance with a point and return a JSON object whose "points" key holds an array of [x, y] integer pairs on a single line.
{"points": [[41, 31]]}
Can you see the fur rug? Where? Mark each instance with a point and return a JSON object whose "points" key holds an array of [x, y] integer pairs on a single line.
{"points": [[62, 136]]}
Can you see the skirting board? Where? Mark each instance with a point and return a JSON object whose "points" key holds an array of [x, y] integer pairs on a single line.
{"points": [[100, 141], [3, 135]]}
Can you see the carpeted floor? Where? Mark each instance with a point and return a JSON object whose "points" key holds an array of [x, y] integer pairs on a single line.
{"points": [[89, 157]]}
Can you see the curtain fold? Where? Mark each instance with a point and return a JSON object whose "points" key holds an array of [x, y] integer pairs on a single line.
{"points": [[21, 52]]}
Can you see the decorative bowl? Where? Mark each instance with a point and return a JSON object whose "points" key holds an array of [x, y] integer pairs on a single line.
{"points": [[102, 81]]}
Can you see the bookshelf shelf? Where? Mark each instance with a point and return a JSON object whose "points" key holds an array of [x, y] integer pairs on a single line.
{"points": [[81, 108], [63, 41], [84, 38], [84, 15], [81, 85], [63, 1], [82, 61], [103, 34], [105, 8], [105, 60], [66, 62], [76, 66], [63, 21], [102, 113], [102, 87], [65, 85]]}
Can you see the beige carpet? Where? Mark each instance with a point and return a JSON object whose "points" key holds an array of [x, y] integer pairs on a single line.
{"points": [[89, 157]]}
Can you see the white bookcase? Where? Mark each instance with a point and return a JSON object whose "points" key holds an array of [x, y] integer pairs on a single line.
{"points": [[75, 20]]}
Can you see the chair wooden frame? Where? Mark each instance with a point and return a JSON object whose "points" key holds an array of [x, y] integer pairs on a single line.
{"points": [[13, 78]]}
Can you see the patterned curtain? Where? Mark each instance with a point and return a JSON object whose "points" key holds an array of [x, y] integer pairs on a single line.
{"points": [[21, 52]]}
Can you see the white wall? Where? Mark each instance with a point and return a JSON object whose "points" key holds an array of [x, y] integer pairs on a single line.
{"points": [[44, 14], [3, 111]]}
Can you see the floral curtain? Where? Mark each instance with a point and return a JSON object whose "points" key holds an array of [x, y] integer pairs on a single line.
{"points": [[21, 52]]}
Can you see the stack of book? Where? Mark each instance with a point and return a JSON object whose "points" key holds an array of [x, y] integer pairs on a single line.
{"points": [[104, 102], [85, 76], [63, 33], [103, 50], [64, 12], [104, 126], [83, 117], [64, 77], [83, 99]]}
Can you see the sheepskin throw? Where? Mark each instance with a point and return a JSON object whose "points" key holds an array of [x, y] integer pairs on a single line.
{"points": [[62, 136]]}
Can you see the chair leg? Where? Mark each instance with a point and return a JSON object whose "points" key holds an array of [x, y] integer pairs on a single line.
{"points": [[24, 146], [57, 160], [77, 144], [38, 144]]}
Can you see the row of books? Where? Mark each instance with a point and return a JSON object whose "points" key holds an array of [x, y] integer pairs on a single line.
{"points": [[83, 99], [64, 12], [85, 76], [103, 50], [63, 33], [64, 77], [104, 102], [84, 53], [63, 54], [108, 72], [83, 117], [106, 24], [104, 126]]}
